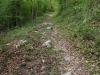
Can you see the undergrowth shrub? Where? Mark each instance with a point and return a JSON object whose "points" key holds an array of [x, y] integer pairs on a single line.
{"points": [[87, 33], [81, 20]]}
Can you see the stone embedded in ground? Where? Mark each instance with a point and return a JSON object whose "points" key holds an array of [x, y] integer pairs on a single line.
{"points": [[49, 28], [67, 58], [47, 43], [43, 61], [47, 23], [8, 44], [36, 31], [16, 46], [22, 41], [68, 73]]}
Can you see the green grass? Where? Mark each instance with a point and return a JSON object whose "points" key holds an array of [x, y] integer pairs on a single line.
{"points": [[21, 30], [76, 24], [88, 35], [32, 50]]}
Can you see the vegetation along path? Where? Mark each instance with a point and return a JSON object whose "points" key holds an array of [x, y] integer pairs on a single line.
{"points": [[70, 63], [40, 51], [35, 42]]}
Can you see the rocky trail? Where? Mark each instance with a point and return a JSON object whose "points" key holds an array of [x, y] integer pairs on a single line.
{"points": [[45, 53], [70, 61]]}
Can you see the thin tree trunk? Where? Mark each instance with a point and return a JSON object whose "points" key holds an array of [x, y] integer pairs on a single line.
{"points": [[32, 12]]}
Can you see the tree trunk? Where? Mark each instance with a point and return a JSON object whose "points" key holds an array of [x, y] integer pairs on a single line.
{"points": [[32, 11]]}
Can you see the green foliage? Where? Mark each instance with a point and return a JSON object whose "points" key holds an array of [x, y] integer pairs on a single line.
{"points": [[14, 13], [80, 19]]}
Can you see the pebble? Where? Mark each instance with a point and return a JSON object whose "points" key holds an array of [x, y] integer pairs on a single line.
{"points": [[47, 43], [16, 46], [67, 58], [49, 28], [8, 44], [36, 31], [68, 73]]}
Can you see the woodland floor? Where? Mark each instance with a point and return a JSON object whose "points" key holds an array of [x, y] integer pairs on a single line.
{"points": [[32, 58]]}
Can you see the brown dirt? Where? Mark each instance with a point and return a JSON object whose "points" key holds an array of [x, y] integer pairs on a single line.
{"points": [[42, 59], [71, 62]]}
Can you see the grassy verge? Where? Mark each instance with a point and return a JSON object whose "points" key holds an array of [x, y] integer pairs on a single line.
{"points": [[80, 22], [85, 37]]}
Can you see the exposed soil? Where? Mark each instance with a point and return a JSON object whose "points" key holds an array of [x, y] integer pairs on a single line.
{"points": [[42, 60], [71, 62]]}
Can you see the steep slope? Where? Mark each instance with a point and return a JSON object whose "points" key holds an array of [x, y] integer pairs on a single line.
{"points": [[79, 21]]}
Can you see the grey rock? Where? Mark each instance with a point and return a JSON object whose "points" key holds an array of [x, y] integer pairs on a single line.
{"points": [[47, 43], [68, 73], [47, 23], [67, 58], [48, 28]]}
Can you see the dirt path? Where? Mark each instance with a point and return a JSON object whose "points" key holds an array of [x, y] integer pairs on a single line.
{"points": [[71, 63], [28, 54]]}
